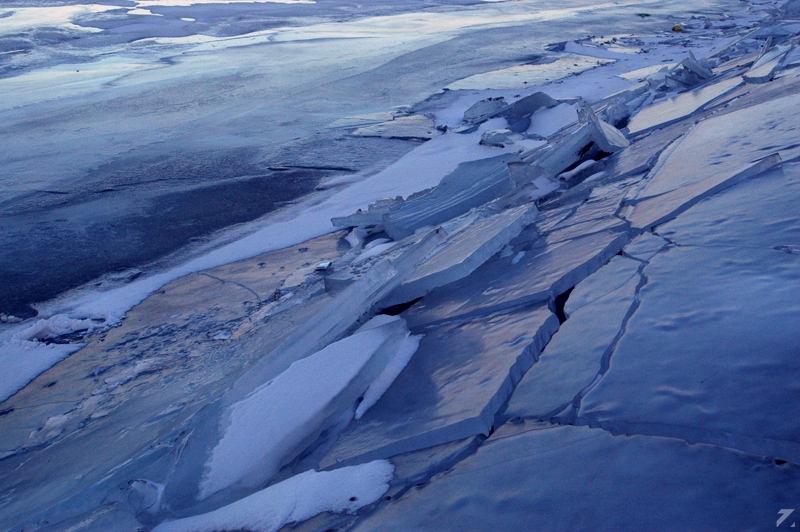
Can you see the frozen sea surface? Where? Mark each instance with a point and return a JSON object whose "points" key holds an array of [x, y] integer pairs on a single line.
{"points": [[128, 137], [563, 338]]}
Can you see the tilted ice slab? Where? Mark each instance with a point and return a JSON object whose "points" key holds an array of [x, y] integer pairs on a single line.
{"points": [[277, 421], [763, 73], [573, 147], [596, 308], [574, 478], [714, 155], [470, 185], [452, 388], [544, 272], [464, 252], [710, 352], [673, 109], [295, 499]]}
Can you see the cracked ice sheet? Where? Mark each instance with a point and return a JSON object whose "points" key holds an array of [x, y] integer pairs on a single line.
{"points": [[712, 153], [710, 353], [452, 388], [572, 359], [760, 212], [546, 270], [576, 478]]}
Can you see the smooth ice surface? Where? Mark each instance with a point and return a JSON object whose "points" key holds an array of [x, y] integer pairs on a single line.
{"points": [[264, 430], [542, 273], [711, 348], [760, 212], [451, 389], [466, 250], [665, 112], [296, 499], [577, 478], [470, 185], [573, 357]]}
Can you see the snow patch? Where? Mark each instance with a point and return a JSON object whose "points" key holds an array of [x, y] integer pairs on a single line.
{"points": [[299, 498], [286, 413]]}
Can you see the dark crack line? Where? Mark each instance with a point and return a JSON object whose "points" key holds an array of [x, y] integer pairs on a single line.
{"points": [[240, 285]]}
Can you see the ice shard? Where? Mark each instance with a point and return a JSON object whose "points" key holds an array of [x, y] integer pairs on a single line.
{"points": [[470, 185], [463, 252]]}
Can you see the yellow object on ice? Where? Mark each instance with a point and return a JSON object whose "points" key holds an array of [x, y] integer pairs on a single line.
{"points": [[677, 27]]}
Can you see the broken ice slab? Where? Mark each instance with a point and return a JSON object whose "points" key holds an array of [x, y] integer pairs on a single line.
{"points": [[484, 109], [643, 154], [757, 213], [571, 361], [372, 217], [576, 146], [461, 253], [710, 353], [470, 185], [451, 389], [763, 73], [645, 246], [518, 114], [497, 137], [354, 266], [142, 379], [774, 53], [341, 314], [547, 477], [678, 107], [543, 272], [414, 127], [275, 423]]}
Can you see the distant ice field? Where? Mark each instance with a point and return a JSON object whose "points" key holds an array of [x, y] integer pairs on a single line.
{"points": [[135, 131]]}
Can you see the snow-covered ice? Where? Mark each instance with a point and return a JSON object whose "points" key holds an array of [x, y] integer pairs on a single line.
{"points": [[610, 251], [296, 499], [289, 412]]}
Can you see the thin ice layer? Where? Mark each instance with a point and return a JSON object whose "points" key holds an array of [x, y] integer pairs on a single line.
{"points": [[451, 389], [574, 478]]}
